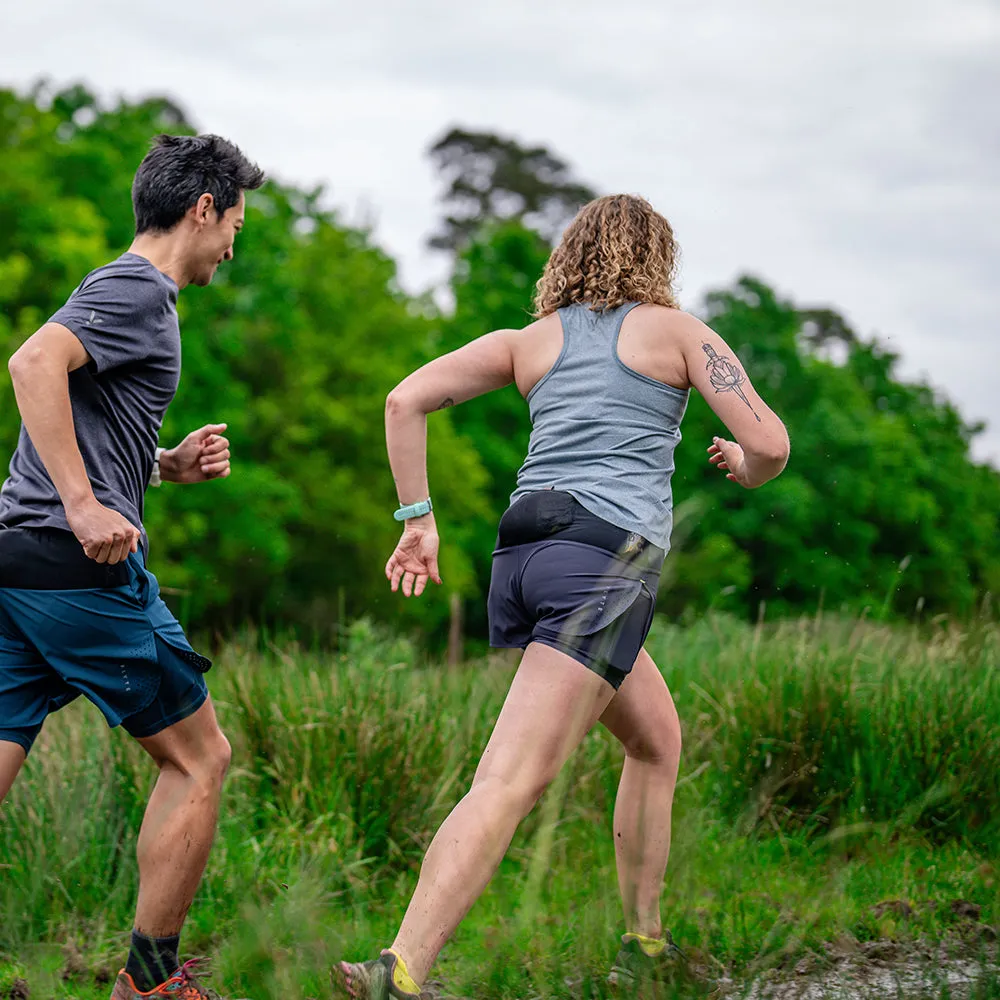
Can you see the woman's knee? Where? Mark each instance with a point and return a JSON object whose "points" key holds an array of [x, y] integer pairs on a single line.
{"points": [[659, 744], [519, 792]]}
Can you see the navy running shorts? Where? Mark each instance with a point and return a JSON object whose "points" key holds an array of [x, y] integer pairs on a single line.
{"points": [[570, 580], [70, 626]]}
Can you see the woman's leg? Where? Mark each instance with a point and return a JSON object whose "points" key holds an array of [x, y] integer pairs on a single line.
{"points": [[552, 704], [642, 716]]}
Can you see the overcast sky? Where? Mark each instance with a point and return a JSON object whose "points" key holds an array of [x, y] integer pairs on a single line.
{"points": [[846, 152]]}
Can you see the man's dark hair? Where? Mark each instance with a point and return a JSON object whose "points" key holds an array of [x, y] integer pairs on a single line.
{"points": [[179, 169]]}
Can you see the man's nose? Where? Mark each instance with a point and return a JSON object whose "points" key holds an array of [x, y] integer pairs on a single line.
{"points": [[229, 254]]}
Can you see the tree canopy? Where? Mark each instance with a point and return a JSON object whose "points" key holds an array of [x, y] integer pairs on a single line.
{"points": [[300, 338], [492, 177]]}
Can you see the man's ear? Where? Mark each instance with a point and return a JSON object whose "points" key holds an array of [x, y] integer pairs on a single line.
{"points": [[202, 208]]}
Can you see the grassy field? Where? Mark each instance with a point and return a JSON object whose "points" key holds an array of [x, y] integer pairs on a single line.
{"points": [[829, 766]]}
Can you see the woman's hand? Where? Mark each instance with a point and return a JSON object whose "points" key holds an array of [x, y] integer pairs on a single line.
{"points": [[415, 558], [749, 469], [728, 456]]}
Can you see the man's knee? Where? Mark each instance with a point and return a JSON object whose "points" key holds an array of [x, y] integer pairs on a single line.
{"points": [[213, 761], [12, 756], [205, 761], [222, 756]]}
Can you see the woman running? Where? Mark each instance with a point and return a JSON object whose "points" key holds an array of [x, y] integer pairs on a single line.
{"points": [[605, 369]]}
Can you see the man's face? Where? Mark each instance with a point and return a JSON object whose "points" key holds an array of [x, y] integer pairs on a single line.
{"points": [[215, 241]]}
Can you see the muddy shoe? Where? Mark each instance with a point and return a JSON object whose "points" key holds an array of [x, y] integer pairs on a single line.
{"points": [[182, 985], [643, 962], [381, 978]]}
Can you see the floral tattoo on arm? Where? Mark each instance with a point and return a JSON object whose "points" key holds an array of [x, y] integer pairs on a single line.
{"points": [[726, 376]]}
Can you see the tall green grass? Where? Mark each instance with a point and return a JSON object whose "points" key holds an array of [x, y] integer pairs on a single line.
{"points": [[818, 723], [828, 765]]}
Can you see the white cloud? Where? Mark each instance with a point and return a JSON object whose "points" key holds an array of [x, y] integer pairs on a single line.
{"points": [[846, 152]]}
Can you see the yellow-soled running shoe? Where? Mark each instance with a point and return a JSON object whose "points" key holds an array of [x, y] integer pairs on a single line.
{"points": [[380, 979]]}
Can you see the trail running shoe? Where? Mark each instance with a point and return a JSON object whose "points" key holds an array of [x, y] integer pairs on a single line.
{"points": [[381, 978], [182, 985], [644, 962]]}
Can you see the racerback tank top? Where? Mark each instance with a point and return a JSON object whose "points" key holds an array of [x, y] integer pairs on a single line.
{"points": [[602, 432]]}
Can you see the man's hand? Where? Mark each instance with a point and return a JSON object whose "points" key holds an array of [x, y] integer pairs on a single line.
{"points": [[105, 535], [415, 558], [201, 456]]}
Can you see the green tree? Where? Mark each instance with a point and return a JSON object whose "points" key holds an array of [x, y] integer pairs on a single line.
{"points": [[493, 178], [298, 341], [295, 346], [880, 475], [492, 285]]}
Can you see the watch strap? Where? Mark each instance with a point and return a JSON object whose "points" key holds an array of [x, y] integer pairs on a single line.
{"points": [[414, 510], [154, 479]]}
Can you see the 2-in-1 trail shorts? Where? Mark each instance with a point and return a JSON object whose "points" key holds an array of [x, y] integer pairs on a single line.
{"points": [[570, 580], [70, 626]]}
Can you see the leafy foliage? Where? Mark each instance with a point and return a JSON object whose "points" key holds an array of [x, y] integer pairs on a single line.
{"points": [[298, 341], [295, 346], [493, 178], [871, 750], [880, 499]]}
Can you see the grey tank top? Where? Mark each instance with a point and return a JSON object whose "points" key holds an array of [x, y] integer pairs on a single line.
{"points": [[602, 432]]}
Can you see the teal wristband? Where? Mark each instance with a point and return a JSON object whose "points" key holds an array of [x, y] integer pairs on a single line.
{"points": [[414, 510]]}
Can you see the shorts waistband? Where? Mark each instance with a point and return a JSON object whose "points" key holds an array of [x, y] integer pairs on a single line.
{"points": [[53, 559], [550, 515]]}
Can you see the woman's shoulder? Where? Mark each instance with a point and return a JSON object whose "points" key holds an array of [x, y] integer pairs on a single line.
{"points": [[667, 315], [540, 326]]}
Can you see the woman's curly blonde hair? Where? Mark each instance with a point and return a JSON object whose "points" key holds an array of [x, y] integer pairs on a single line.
{"points": [[616, 250]]}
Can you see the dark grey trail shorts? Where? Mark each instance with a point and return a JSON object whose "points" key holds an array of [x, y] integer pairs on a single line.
{"points": [[570, 580]]}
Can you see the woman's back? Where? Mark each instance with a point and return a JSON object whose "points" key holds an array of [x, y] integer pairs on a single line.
{"points": [[602, 430], [612, 381]]}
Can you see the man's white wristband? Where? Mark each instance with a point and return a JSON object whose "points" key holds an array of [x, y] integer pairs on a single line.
{"points": [[154, 479]]}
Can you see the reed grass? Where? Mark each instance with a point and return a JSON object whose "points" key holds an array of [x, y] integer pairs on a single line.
{"points": [[829, 765]]}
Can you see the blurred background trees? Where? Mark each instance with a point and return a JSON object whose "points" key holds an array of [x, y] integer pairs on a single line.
{"points": [[298, 341]]}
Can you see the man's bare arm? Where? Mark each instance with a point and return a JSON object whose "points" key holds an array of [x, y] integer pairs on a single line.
{"points": [[40, 373]]}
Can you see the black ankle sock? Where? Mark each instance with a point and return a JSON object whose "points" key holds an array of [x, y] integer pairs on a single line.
{"points": [[152, 961]]}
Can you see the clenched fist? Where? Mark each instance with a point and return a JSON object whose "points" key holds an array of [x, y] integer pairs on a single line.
{"points": [[105, 535]]}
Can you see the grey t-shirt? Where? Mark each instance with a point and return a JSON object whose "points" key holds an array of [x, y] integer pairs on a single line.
{"points": [[125, 315]]}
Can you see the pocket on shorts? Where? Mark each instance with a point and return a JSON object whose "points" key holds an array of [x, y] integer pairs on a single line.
{"points": [[575, 589], [651, 595], [535, 517], [168, 630], [605, 607], [145, 592]]}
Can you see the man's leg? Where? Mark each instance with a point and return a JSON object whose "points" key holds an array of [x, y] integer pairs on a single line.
{"points": [[180, 821], [27, 686], [552, 704], [12, 756], [643, 718]]}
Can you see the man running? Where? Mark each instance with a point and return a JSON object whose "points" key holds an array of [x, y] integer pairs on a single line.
{"points": [[606, 371], [79, 611]]}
